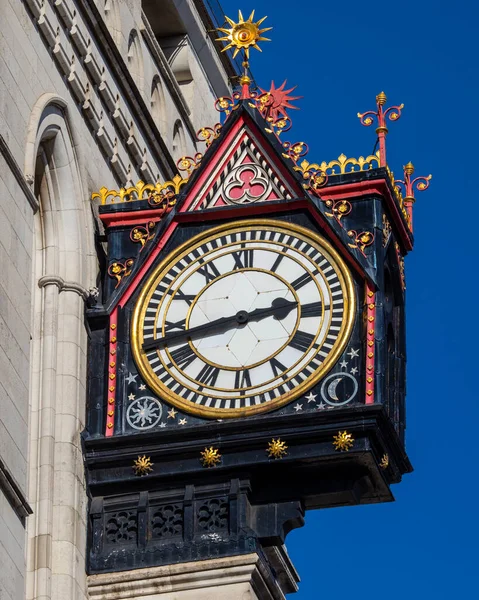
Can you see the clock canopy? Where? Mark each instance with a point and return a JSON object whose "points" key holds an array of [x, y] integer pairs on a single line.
{"points": [[247, 351]]}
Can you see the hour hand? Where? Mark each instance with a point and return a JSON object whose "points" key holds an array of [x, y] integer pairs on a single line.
{"points": [[279, 309]]}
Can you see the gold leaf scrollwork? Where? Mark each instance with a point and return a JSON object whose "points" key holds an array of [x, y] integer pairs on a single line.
{"points": [[189, 164], [361, 240], [386, 230], [119, 270], [209, 134], [141, 234]]}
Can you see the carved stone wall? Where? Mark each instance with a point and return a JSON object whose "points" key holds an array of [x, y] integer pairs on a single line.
{"points": [[76, 114]]}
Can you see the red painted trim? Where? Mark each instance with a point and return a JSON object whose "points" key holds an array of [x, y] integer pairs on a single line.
{"points": [[227, 150], [365, 188], [112, 374], [264, 209], [212, 164], [370, 300], [139, 276], [133, 218]]}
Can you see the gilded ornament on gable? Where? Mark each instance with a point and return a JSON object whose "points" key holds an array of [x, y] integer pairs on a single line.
{"points": [[209, 134], [141, 234], [386, 230], [276, 448], [361, 240], [210, 457], [295, 151], [142, 465], [118, 270], [384, 462], [189, 164], [343, 441], [339, 209]]}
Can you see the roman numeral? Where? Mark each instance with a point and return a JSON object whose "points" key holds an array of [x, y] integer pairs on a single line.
{"points": [[208, 376], [209, 271], [183, 356], [186, 297], [243, 259], [315, 309], [242, 379], [303, 280], [277, 368], [278, 260], [301, 340], [169, 325]]}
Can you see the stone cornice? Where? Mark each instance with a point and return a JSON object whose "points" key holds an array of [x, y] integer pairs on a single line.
{"points": [[13, 492], [18, 173], [200, 576]]}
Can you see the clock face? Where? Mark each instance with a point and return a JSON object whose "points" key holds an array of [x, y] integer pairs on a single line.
{"points": [[242, 319]]}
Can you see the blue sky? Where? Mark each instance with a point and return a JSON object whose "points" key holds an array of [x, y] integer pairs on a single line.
{"points": [[424, 54]]}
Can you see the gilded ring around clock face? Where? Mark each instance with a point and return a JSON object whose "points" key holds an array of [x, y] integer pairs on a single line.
{"points": [[242, 318]]}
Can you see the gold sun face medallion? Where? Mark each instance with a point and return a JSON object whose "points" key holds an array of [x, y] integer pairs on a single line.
{"points": [[243, 35], [243, 318]]}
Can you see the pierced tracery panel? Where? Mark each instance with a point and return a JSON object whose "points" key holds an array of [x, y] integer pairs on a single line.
{"points": [[212, 515]]}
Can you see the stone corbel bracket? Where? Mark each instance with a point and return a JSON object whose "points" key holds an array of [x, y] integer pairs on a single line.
{"points": [[69, 286]]}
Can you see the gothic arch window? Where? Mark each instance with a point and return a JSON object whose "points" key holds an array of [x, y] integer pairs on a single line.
{"points": [[158, 106], [135, 59], [179, 140], [111, 9], [63, 266]]}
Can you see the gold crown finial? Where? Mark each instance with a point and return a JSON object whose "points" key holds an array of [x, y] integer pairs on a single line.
{"points": [[243, 35], [381, 98], [409, 168]]}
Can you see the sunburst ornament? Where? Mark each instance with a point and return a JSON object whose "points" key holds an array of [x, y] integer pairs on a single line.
{"points": [[210, 457], [243, 35], [276, 448], [343, 441], [274, 103], [142, 465]]}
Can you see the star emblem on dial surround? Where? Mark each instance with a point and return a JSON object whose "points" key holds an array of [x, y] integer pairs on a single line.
{"points": [[242, 327]]}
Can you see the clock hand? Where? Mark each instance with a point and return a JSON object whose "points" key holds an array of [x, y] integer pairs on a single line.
{"points": [[279, 309]]}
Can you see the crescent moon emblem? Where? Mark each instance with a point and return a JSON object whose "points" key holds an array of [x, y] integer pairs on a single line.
{"points": [[332, 388]]}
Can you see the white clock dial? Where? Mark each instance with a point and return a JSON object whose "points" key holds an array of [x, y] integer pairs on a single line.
{"points": [[243, 319]]}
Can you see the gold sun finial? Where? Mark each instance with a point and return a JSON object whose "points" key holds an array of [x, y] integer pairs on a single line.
{"points": [[343, 441], [210, 457], [142, 465], [243, 35], [276, 448]]}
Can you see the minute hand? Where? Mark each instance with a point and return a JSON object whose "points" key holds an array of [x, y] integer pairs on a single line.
{"points": [[279, 308]]}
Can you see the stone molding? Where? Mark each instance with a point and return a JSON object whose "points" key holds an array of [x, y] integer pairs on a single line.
{"points": [[18, 174], [67, 286], [13, 493], [171, 581]]}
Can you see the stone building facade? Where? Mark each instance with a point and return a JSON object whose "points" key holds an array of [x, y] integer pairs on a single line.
{"points": [[92, 93]]}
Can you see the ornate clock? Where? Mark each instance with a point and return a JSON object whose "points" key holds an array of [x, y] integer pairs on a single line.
{"points": [[243, 318]]}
